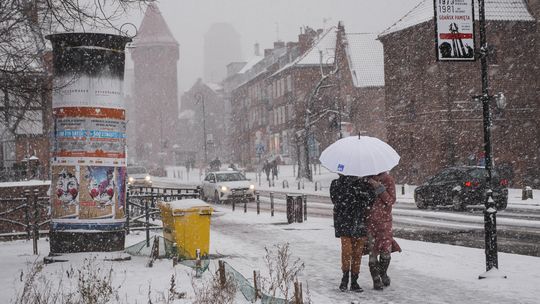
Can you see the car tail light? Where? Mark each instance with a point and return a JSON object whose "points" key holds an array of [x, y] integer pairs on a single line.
{"points": [[504, 182], [468, 184]]}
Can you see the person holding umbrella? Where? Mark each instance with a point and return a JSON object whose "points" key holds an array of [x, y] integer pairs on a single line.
{"points": [[366, 156], [351, 197], [379, 225]]}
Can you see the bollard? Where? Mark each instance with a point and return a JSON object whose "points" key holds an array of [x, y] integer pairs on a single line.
{"points": [[258, 203], [147, 220], [299, 214], [233, 204], [291, 214], [403, 189], [525, 193], [35, 228], [271, 204], [245, 205], [128, 206], [305, 207]]}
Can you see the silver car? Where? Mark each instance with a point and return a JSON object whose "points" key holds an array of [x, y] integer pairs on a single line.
{"points": [[222, 186]]}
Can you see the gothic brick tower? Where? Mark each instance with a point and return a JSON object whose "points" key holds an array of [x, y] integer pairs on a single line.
{"points": [[155, 58]]}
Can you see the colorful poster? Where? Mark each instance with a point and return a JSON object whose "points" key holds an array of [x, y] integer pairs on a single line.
{"points": [[91, 136], [65, 191], [98, 194], [454, 26]]}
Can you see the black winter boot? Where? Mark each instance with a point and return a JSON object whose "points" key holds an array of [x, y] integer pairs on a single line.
{"points": [[344, 281], [384, 263], [354, 284], [375, 275]]}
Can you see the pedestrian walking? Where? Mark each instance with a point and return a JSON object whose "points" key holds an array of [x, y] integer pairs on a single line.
{"points": [[381, 242], [351, 197], [267, 168], [274, 170]]}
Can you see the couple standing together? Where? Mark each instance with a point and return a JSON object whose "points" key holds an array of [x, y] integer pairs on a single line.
{"points": [[363, 222]]}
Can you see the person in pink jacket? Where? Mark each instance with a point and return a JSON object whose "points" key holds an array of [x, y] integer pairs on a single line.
{"points": [[379, 226]]}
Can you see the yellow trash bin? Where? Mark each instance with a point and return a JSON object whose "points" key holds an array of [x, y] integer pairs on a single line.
{"points": [[187, 223]]}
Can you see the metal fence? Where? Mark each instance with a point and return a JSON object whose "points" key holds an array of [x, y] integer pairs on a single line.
{"points": [[24, 216], [142, 212]]}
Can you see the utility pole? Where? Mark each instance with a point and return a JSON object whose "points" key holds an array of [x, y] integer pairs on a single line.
{"points": [[200, 99], [490, 211]]}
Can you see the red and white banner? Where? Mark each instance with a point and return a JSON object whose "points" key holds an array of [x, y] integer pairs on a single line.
{"points": [[454, 26]]}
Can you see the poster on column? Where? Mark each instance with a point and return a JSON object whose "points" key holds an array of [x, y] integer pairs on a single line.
{"points": [[84, 90], [454, 27], [92, 136], [65, 190], [98, 195]]}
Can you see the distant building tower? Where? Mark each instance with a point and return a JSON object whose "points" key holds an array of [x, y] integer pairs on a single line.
{"points": [[155, 58], [221, 47]]}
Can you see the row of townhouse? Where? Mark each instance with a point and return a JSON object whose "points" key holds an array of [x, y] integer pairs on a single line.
{"points": [[422, 107], [269, 108]]}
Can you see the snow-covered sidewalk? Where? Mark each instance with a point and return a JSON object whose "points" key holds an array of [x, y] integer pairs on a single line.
{"points": [[422, 273]]}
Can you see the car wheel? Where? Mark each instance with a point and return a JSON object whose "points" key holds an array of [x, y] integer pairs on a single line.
{"points": [[457, 204], [420, 202], [216, 198], [501, 205]]}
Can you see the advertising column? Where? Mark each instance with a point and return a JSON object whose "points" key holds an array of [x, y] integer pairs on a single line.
{"points": [[88, 186]]}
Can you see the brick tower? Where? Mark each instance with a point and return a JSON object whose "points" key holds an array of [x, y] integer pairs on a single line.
{"points": [[155, 59]]}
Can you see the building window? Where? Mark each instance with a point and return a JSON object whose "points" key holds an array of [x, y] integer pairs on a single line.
{"points": [[289, 83]]}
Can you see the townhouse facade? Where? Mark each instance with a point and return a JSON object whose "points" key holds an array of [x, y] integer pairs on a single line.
{"points": [[433, 121], [335, 78]]}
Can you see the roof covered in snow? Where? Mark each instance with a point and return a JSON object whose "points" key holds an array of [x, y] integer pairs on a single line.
{"points": [[366, 59], [251, 62], [214, 86], [325, 46], [496, 10], [154, 29]]}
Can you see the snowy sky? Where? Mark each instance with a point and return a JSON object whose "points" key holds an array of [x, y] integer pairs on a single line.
{"points": [[258, 21]]}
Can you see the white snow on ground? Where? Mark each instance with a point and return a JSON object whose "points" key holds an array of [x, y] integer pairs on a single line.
{"points": [[32, 182], [422, 273]]}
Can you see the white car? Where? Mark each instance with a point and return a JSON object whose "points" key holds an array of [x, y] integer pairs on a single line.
{"points": [[223, 186], [138, 176]]}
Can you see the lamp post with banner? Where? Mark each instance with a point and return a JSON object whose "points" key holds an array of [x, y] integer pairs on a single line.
{"points": [[454, 27]]}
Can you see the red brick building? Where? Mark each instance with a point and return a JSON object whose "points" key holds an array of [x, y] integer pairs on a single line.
{"points": [[269, 108], [433, 121]]}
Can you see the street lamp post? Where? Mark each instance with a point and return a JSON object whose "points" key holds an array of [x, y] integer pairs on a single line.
{"points": [[200, 99], [490, 211]]}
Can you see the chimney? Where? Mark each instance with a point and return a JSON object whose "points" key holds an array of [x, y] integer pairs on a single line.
{"points": [[291, 45], [257, 49], [279, 45], [267, 52]]}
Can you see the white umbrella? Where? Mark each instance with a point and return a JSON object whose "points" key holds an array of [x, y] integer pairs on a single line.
{"points": [[359, 156]]}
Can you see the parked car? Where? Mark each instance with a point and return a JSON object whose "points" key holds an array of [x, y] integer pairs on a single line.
{"points": [[138, 176], [459, 187], [222, 186]]}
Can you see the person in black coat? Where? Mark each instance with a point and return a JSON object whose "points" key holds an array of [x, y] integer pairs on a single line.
{"points": [[351, 197]]}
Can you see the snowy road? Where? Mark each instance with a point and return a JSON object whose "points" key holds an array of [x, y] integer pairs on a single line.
{"points": [[518, 227], [420, 274]]}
